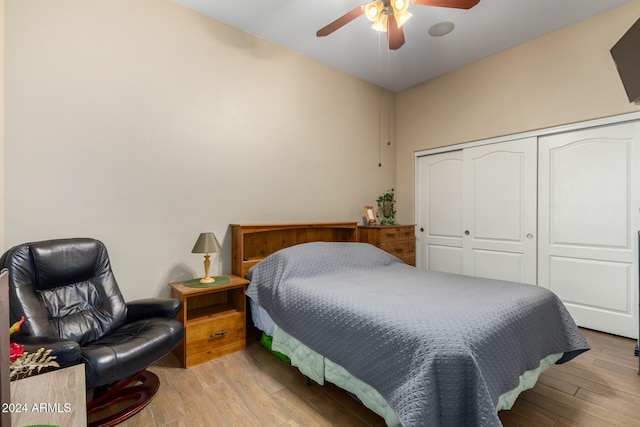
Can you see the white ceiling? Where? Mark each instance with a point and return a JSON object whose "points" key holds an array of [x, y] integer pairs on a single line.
{"points": [[489, 27]]}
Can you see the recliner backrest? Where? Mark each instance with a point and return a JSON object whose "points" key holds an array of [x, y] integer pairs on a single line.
{"points": [[64, 288]]}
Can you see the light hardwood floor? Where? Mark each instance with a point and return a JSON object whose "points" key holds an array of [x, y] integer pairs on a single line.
{"points": [[254, 388]]}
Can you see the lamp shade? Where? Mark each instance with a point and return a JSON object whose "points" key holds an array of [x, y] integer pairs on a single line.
{"points": [[373, 10], [206, 244], [399, 6]]}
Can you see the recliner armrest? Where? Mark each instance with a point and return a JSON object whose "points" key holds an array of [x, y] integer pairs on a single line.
{"points": [[67, 353], [153, 307]]}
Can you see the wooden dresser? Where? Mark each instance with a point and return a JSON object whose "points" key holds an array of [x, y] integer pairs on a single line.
{"points": [[398, 240]]}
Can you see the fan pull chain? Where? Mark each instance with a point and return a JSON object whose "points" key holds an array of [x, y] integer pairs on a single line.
{"points": [[388, 129], [379, 135], [388, 115]]}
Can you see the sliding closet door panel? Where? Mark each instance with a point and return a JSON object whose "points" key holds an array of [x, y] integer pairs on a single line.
{"points": [[588, 219], [439, 190], [571, 276], [444, 258], [511, 264], [500, 210], [496, 185], [591, 178]]}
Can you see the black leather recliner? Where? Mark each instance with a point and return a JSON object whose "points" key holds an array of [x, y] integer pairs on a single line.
{"points": [[70, 300]]}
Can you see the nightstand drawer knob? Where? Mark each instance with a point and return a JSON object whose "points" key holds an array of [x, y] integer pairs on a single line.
{"points": [[218, 334]]}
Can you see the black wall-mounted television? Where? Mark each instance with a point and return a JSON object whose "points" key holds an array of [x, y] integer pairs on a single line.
{"points": [[626, 55]]}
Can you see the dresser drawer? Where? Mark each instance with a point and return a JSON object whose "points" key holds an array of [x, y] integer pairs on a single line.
{"points": [[409, 260], [403, 249], [391, 234], [399, 240], [212, 334]]}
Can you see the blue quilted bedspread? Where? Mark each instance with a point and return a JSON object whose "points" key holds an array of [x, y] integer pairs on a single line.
{"points": [[440, 348]]}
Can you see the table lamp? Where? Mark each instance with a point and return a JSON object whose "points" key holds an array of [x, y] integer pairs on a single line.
{"points": [[206, 244]]}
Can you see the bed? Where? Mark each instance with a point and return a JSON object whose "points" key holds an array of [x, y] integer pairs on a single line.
{"points": [[418, 347]]}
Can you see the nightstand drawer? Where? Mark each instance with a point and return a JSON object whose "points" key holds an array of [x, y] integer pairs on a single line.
{"points": [[210, 335]]}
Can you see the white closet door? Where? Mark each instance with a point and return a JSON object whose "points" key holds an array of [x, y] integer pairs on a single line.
{"points": [[477, 211], [499, 239], [588, 219], [439, 202]]}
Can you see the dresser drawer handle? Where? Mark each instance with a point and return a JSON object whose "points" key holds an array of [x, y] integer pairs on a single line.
{"points": [[218, 334]]}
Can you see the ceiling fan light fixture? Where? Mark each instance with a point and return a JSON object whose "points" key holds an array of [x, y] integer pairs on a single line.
{"points": [[402, 18], [381, 23], [383, 13], [399, 6], [373, 10]]}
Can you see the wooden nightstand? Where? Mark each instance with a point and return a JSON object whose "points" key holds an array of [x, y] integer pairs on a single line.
{"points": [[214, 320], [398, 240]]}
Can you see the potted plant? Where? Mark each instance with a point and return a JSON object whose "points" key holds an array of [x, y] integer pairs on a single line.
{"points": [[386, 208]]}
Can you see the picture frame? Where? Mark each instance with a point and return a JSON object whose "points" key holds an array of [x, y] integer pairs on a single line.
{"points": [[370, 215]]}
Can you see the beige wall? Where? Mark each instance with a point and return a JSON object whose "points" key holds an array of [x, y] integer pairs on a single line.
{"points": [[564, 77], [143, 123]]}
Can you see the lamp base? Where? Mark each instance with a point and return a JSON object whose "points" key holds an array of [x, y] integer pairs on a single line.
{"points": [[195, 283], [207, 280]]}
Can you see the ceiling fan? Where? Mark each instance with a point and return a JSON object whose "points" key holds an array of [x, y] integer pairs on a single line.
{"points": [[389, 16]]}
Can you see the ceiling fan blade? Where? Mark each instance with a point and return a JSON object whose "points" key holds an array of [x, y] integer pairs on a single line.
{"points": [[457, 4], [395, 35], [340, 22]]}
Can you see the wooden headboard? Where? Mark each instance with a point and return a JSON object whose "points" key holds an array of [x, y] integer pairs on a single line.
{"points": [[253, 242]]}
